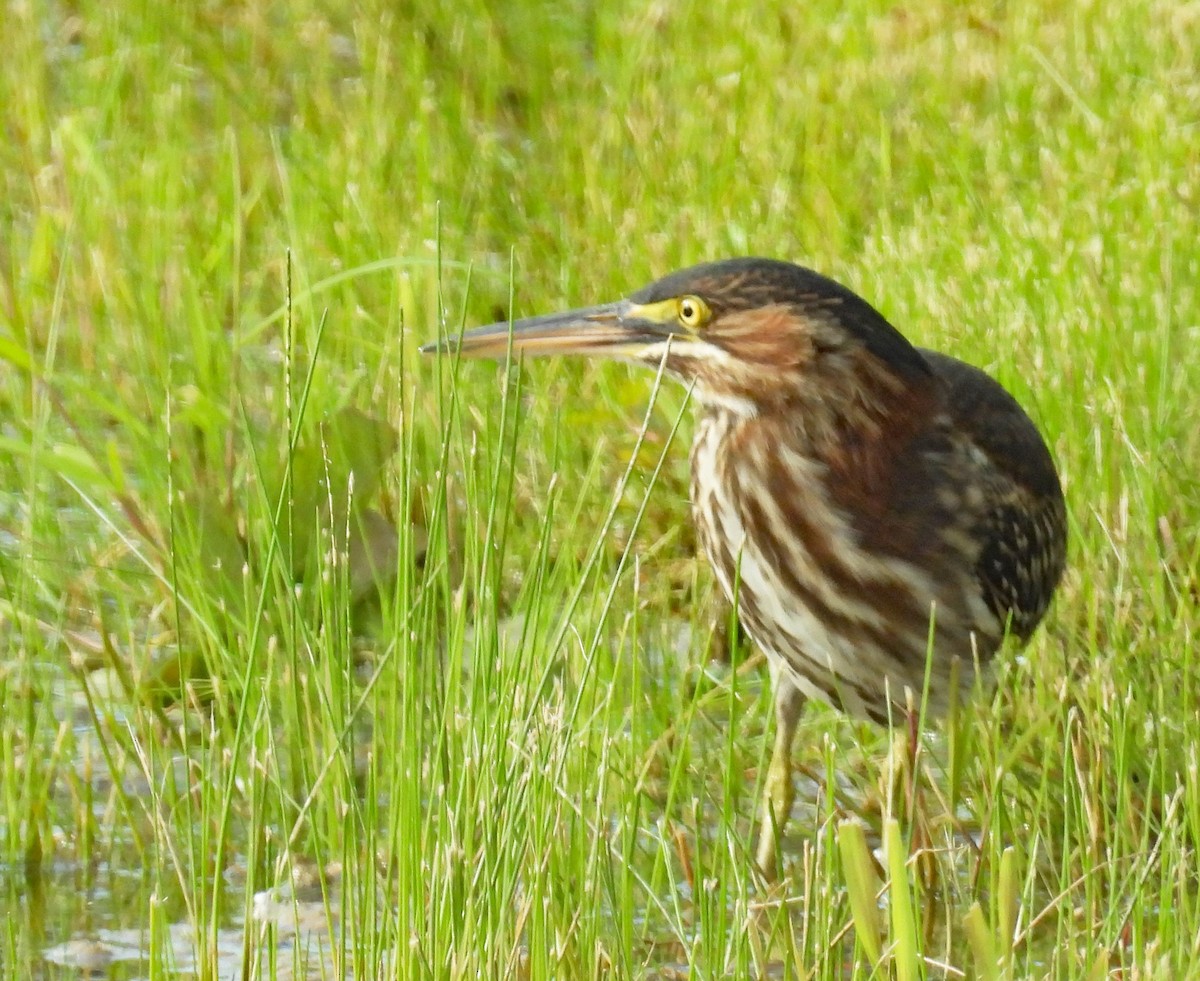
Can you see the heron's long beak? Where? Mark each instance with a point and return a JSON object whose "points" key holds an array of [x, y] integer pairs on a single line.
{"points": [[616, 329]]}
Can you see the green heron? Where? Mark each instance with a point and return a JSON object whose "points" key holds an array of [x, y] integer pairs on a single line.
{"points": [[877, 512]]}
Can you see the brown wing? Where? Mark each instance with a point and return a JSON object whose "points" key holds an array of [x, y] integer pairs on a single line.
{"points": [[1023, 521]]}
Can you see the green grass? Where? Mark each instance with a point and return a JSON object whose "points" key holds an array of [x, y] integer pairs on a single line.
{"points": [[225, 232]]}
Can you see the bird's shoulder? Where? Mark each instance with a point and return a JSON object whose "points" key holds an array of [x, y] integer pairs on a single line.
{"points": [[983, 413], [1008, 491]]}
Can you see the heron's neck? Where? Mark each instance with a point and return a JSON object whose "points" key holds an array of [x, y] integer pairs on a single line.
{"points": [[728, 404], [827, 419]]}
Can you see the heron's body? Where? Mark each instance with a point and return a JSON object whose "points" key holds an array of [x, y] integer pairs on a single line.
{"points": [[882, 516], [840, 578]]}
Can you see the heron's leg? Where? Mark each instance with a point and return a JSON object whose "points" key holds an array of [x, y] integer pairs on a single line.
{"points": [[780, 793]]}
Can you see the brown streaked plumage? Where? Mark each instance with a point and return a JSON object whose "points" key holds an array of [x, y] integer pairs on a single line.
{"points": [[857, 497]]}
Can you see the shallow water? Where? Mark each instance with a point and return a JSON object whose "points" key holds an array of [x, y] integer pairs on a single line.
{"points": [[100, 922]]}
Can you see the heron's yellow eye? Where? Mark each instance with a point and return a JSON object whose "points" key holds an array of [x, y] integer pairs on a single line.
{"points": [[693, 311]]}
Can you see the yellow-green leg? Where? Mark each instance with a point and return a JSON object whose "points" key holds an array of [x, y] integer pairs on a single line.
{"points": [[780, 792]]}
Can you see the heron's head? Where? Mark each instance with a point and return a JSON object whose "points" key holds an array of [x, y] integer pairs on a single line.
{"points": [[742, 332]]}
